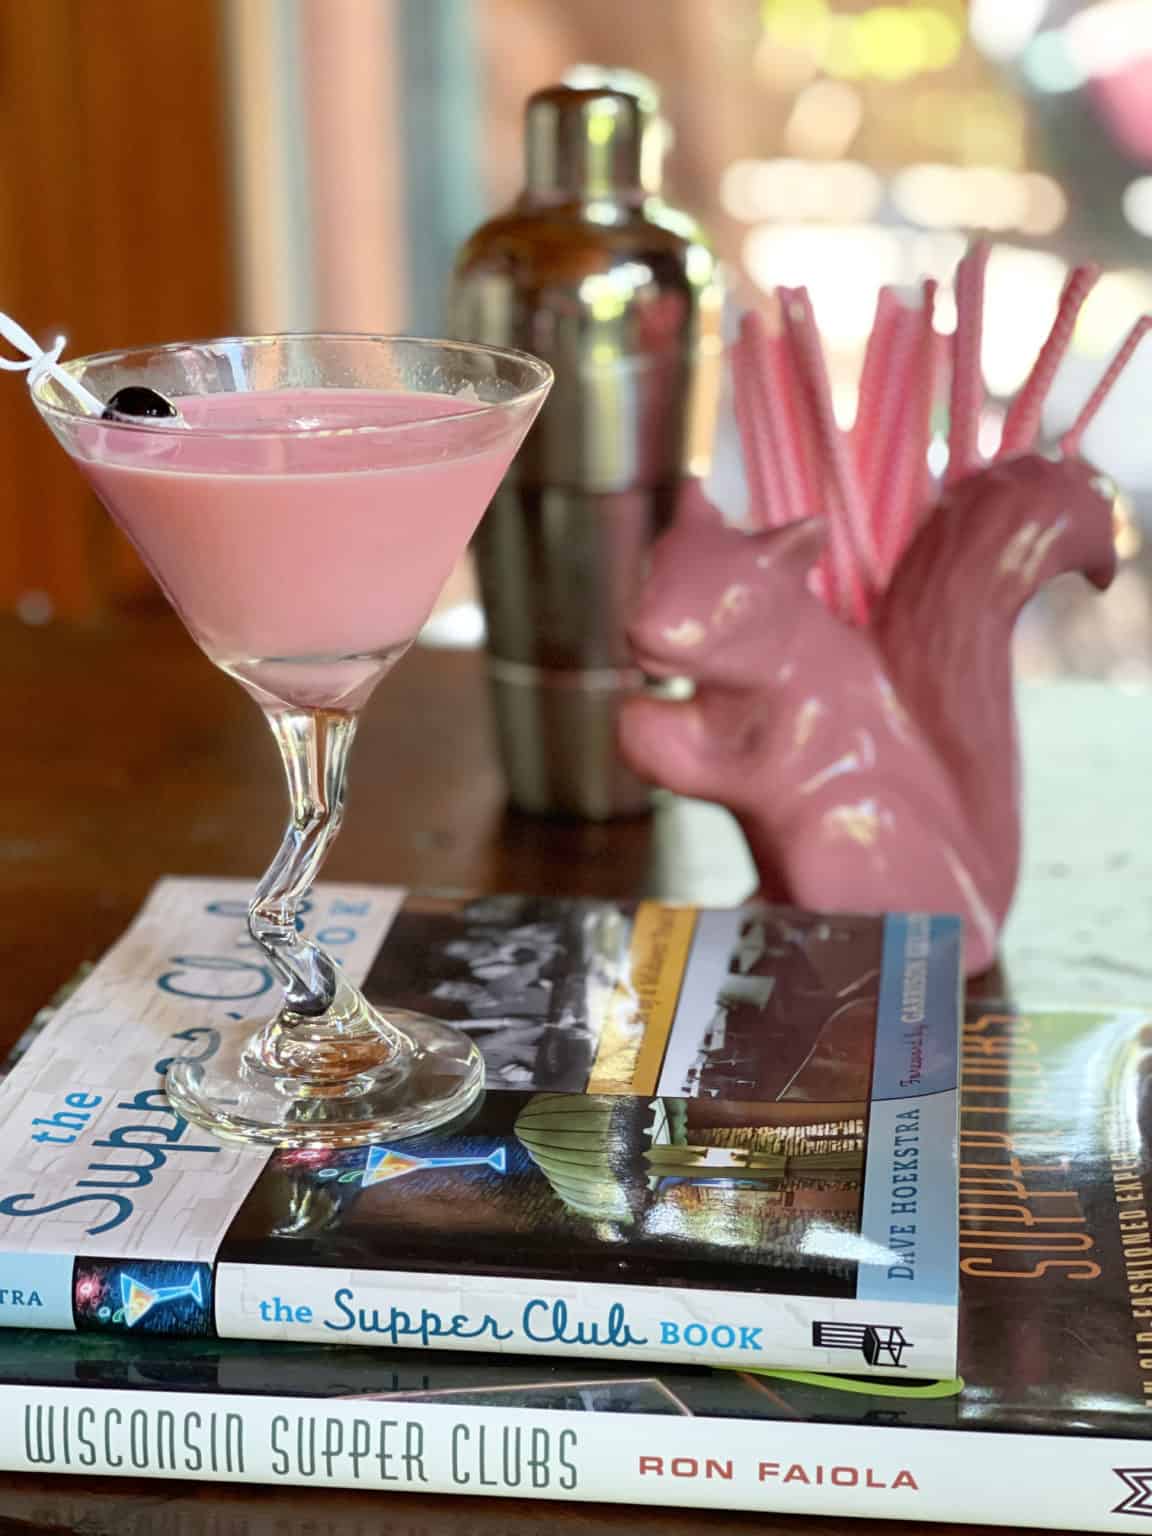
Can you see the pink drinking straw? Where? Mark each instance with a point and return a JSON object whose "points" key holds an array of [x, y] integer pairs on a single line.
{"points": [[883, 425], [771, 393], [1024, 416], [828, 577], [800, 453], [966, 401], [779, 420], [873, 376], [813, 467], [901, 496], [941, 356], [760, 467], [850, 538], [1070, 442]]}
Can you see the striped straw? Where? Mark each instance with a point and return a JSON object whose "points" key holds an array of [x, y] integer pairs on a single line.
{"points": [[850, 538], [966, 400], [776, 395], [1023, 420], [873, 379], [887, 409], [760, 465], [901, 494], [1070, 442]]}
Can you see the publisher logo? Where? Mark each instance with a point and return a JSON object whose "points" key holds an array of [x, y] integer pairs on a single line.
{"points": [[1139, 1483], [879, 1343]]}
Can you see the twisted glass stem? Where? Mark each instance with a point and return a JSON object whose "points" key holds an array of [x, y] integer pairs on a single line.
{"points": [[314, 748]]}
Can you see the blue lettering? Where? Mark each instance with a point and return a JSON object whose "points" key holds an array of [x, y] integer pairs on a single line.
{"points": [[19, 1299], [211, 1038], [133, 1176], [719, 1336], [277, 1311], [397, 1326], [251, 978], [336, 934], [11, 1206], [155, 1143], [341, 1300], [150, 1101], [140, 1139], [554, 1327], [66, 1120]]}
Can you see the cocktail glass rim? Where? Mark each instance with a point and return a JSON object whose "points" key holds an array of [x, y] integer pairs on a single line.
{"points": [[52, 400]]}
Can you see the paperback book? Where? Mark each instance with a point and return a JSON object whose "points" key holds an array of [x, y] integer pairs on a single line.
{"points": [[1048, 1427], [719, 1137]]}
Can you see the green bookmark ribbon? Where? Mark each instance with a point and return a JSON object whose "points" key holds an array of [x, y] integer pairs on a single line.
{"points": [[925, 1391]]}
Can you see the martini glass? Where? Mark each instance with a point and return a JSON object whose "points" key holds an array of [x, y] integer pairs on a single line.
{"points": [[302, 513]]}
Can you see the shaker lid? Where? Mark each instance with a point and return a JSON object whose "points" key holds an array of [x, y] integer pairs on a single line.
{"points": [[586, 143]]}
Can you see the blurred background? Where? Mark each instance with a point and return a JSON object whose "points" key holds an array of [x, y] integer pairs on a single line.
{"points": [[175, 171]]}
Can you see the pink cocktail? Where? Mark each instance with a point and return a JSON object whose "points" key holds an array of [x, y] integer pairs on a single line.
{"points": [[301, 500], [224, 509]]}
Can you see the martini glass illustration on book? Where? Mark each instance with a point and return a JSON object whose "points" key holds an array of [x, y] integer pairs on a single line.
{"points": [[302, 499], [383, 1164], [137, 1298]]}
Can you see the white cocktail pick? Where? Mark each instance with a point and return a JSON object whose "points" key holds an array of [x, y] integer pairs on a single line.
{"points": [[37, 362]]}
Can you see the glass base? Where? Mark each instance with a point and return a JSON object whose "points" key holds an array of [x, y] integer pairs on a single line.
{"points": [[422, 1073]]}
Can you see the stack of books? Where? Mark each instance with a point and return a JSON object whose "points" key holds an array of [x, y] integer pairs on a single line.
{"points": [[727, 1230]]}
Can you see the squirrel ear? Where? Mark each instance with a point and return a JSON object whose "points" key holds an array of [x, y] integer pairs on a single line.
{"points": [[802, 541], [693, 507]]}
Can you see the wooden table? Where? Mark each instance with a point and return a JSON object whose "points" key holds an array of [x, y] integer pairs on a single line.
{"points": [[127, 756]]}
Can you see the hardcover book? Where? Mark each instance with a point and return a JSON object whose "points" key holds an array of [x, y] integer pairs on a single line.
{"points": [[1049, 1427], [720, 1137]]}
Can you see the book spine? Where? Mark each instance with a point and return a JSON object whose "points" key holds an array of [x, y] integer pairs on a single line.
{"points": [[647, 1458], [508, 1314], [909, 1218]]}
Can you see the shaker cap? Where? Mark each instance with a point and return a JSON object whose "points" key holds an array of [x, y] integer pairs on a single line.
{"points": [[586, 143]]}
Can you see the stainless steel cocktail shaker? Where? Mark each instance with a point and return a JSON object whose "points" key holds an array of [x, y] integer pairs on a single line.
{"points": [[591, 271]]}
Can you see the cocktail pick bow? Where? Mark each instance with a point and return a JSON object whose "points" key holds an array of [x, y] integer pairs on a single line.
{"points": [[37, 361]]}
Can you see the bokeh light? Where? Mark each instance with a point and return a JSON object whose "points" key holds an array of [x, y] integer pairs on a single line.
{"points": [[1137, 205], [1002, 28], [825, 119], [883, 42]]}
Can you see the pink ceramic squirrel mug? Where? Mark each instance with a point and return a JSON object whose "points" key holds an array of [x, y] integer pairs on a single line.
{"points": [[869, 754]]}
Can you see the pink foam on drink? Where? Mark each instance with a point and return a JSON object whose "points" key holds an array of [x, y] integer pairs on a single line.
{"points": [[289, 552]]}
